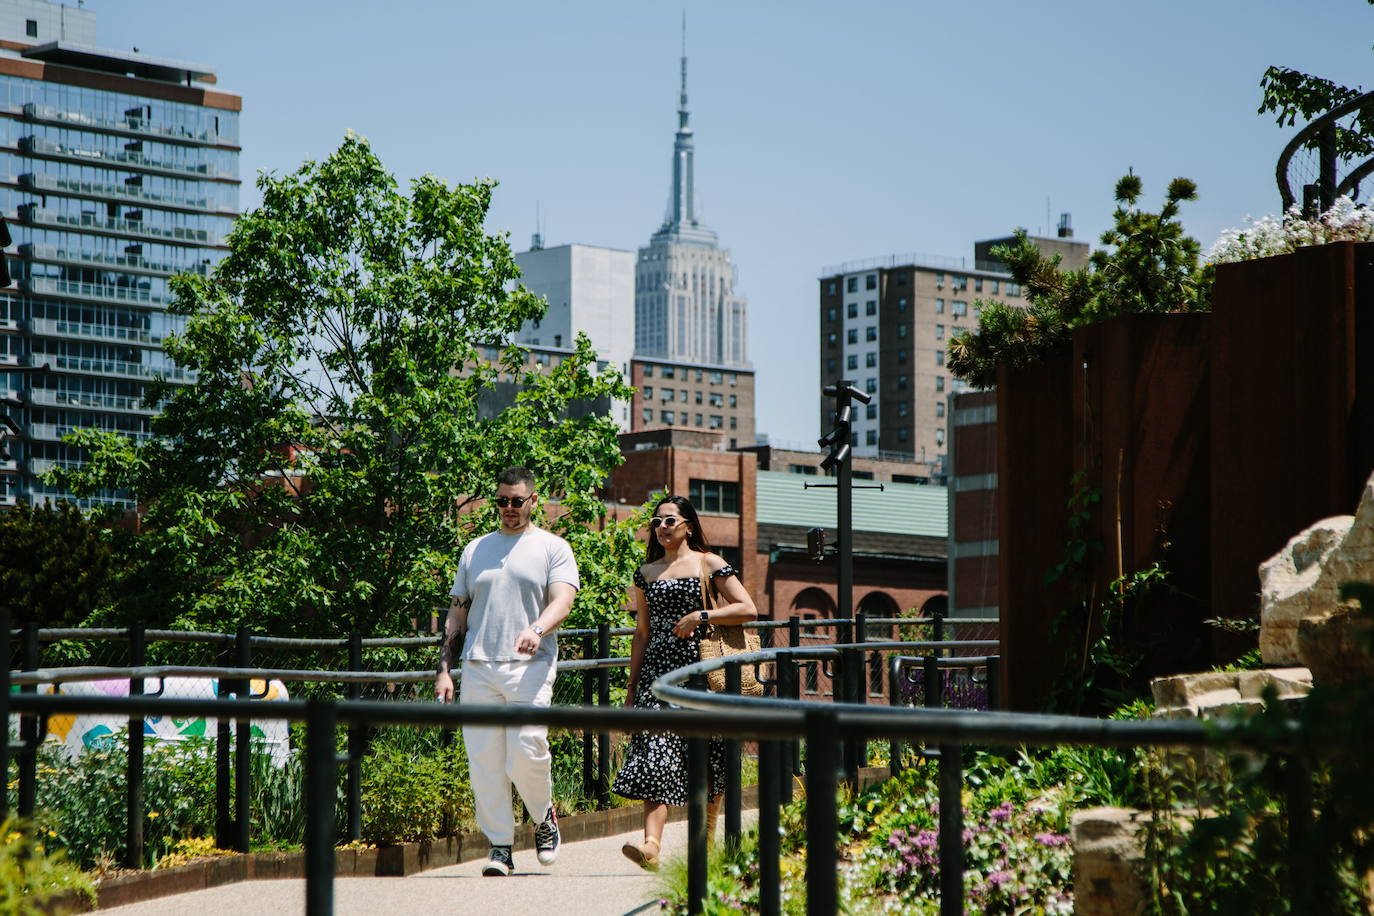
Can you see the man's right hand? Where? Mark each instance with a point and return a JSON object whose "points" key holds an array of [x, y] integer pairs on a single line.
{"points": [[443, 687]]}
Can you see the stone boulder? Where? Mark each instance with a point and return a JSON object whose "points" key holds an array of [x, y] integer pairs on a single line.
{"points": [[1203, 696], [1302, 583], [1107, 852]]}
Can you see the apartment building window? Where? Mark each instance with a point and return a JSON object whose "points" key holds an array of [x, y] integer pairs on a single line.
{"points": [[939, 408], [977, 284], [939, 332], [960, 385], [870, 359], [901, 330], [667, 371], [870, 307], [902, 433], [666, 393], [901, 383], [852, 310], [909, 478], [720, 496], [901, 357], [939, 306], [717, 377], [959, 308], [31, 28], [862, 475], [830, 313], [940, 436], [699, 393], [939, 383], [734, 422], [699, 374], [715, 421], [648, 415], [698, 419], [959, 283], [807, 469], [832, 338], [871, 385], [682, 395], [851, 285], [852, 335], [734, 379], [870, 333], [667, 417], [648, 392], [871, 281], [830, 288], [901, 305], [871, 411], [939, 357], [829, 367], [939, 278], [734, 400], [902, 408], [851, 361], [648, 370], [717, 399], [871, 437], [1013, 289], [996, 285], [541, 359]]}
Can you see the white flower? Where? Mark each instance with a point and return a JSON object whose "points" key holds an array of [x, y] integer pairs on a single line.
{"points": [[1268, 236]]}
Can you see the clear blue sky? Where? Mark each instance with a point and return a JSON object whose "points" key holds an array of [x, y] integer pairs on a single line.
{"points": [[825, 132]]}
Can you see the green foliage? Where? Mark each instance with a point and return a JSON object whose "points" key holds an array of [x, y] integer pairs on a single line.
{"points": [[324, 470], [1290, 94], [1150, 266], [414, 788], [58, 565], [31, 874]]}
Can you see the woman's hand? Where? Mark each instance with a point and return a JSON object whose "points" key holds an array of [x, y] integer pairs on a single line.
{"points": [[630, 696], [686, 628]]}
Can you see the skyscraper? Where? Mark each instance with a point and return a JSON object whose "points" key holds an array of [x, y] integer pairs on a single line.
{"points": [[117, 170], [686, 308]]}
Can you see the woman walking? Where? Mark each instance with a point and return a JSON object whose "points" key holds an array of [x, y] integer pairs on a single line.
{"points": [[668, 610]]}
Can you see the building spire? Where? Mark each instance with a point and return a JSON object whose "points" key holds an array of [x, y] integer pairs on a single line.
{"points": [[683, 210]]}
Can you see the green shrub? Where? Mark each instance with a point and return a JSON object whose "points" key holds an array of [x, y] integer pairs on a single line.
{"points": [[414, 788], [31, 875]]}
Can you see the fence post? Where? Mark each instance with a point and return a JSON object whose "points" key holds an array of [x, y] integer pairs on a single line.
{"points": [[28, 728], [852, 671], [770, 790], [933, 682], [603, 738], [223, 819], [133, 796], [894, 698], [938, 629], [243, 748], [821, 883], [994, 666], [588, 699], [794, 631], [733, 794], [951, 831], [788, 688], [357, 743], [321, 719], [1297, 778], [698, 779], [6, 647]]}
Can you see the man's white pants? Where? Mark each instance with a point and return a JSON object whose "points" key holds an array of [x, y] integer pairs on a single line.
{"points": [[498, 757]]}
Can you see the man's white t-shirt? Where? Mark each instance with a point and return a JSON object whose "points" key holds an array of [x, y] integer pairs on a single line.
{"points": [[507, 577]]}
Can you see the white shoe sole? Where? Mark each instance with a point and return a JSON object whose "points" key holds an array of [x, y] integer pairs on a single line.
{"points": [[495, 870], [548, 858]]}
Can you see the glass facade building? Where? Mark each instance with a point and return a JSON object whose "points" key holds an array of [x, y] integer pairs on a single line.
{"points": [[116, 171]]}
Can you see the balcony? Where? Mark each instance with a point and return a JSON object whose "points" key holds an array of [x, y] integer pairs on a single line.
{"points": [[51, 432], [129, 159], [92, 292], [37, 466], [130, 125], [124, 228], [86, 400], [124, 192], [50, 327], [113, 367], [132, 263]]}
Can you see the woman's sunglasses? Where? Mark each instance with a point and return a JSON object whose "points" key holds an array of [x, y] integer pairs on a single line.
{"points": [[515, 501], [667, 521]]}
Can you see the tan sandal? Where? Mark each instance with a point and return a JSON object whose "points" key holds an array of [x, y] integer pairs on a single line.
{"points": [[645, 854]]}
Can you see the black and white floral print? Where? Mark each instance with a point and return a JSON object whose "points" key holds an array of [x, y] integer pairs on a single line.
{"points": [[655, 767]]}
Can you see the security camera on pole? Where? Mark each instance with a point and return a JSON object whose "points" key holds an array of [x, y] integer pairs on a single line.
{"points": [[838, 442]]}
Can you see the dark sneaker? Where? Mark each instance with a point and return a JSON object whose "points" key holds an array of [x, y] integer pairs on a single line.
{"points": [[499, 863], [547, 838]]}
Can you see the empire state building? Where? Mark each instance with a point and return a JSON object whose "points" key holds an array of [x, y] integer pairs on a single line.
{"points": [[685, 303]]}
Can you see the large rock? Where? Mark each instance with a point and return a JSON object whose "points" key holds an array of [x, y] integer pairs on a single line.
{"points": [[1302, 581], [1107, 852]]}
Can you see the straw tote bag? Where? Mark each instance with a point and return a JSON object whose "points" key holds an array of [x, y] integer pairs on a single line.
{"points": [[720, 640]]}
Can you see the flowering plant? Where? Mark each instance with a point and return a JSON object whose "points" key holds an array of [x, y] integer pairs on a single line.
{"points": [[1271, 235]]}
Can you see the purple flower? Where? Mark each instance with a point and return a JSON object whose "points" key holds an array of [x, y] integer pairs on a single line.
{"points": [[998, 878], [1002, 812], [1052, 839]]}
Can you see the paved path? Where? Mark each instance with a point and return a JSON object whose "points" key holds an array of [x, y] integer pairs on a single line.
{"points": [[591, 877]]}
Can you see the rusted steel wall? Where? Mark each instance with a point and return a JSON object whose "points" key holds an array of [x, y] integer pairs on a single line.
{"points": [[1293, 428]]}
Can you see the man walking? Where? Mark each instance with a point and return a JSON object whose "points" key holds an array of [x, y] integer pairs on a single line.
{"points": [[512, 590]]}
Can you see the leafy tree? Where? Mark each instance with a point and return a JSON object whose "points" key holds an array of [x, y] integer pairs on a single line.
{"points": [[330, 459], [57, 565], [1148, 266]]}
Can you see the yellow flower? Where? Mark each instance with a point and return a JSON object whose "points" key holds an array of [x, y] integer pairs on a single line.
{"points": [[14, 835], [152, 815]]}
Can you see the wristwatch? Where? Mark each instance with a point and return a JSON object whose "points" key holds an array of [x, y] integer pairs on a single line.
{"points": [[705, 616], [538, 630]]}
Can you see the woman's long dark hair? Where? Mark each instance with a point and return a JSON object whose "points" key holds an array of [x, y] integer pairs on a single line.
{"points": [[695, 539]]}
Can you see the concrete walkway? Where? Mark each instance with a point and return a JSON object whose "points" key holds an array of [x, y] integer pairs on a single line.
{"points": [[590, 877]]}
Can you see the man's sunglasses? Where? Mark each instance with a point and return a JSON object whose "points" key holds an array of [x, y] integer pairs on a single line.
{"points": [[515, 501], [667, 521]]}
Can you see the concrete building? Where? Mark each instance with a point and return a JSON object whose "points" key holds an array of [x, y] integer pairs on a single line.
{"points": [[886, 323], [589, 289], [686, 308], [117, 169]]}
